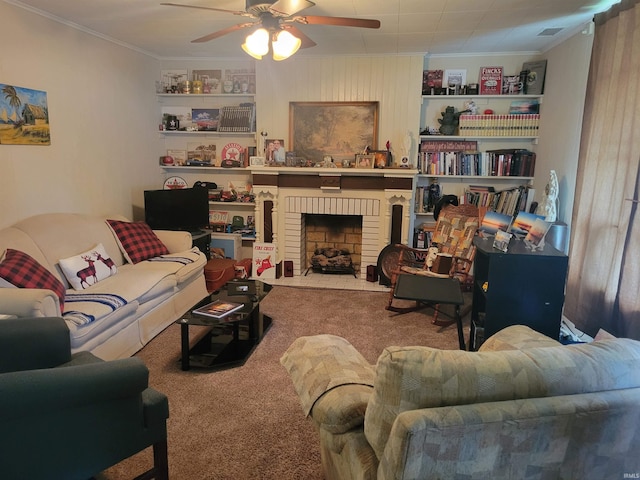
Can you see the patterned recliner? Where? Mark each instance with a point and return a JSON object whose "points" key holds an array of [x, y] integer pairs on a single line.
{"points": [[524, 406]]}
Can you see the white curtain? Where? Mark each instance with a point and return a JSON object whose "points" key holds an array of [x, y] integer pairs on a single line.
{"points": [[603, 288]]}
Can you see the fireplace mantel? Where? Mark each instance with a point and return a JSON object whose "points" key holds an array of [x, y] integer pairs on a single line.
{"points": [[347, 178], [291, 192]]}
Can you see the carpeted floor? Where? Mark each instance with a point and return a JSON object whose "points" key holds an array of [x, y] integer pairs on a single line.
{"points": [[246, 422]]}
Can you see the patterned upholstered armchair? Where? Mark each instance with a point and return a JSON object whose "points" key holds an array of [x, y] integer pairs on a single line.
{"points": [[72, 416], [451, 251], [522, 407]]}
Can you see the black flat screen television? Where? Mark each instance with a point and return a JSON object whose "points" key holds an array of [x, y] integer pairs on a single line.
{"points": [[184, 209]]}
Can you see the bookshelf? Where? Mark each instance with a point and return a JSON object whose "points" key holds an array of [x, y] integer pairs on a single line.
{"points": [[481, 155]]}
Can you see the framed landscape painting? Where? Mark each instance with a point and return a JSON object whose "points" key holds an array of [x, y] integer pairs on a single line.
{"points": [[24, 116], [338, 129]]}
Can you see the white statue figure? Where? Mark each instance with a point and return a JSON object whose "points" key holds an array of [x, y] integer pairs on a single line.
{"points": [[407, 141], [549, 205]]}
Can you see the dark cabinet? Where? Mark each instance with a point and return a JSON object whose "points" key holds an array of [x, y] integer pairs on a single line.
{"points": [[202, 241], [520, 286]]}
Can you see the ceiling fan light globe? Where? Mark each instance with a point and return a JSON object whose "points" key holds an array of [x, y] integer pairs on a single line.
{"points": [[284, 45], [257, 44]]}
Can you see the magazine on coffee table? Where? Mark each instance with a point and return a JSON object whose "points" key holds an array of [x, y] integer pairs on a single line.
{"points": [[218, 309]]}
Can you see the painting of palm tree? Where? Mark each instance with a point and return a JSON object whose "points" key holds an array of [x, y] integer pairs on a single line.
{"points": [[24, 116]]}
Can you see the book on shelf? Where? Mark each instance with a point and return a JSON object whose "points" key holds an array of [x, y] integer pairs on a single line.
{"points": [[218, 309], [490, 80], [510, 162], [535, 76], [514, 124]]}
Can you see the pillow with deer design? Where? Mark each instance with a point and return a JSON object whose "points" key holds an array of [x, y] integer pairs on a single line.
{"points": [[88, 268]]}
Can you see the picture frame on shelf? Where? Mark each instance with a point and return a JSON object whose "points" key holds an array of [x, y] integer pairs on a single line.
{"points": [[179, 156], [211, 80], [431, 81], [494, 221], [501, 240], [317, 129], [535, 77], [455, 77], [201, 155], [275, 153], [173, 80], [381, 158], [256, 161], [206, 119], [239, 81], [524, 222], [364, 160], [183, 115], [535, 236]]}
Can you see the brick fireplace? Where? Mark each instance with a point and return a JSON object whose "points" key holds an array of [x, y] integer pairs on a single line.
{"points": [[285, 196]]}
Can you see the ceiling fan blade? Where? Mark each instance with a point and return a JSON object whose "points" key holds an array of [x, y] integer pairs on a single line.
{"points": [[220, 33], [286, 8], [235, 12], [339, 21], [306, 41]]}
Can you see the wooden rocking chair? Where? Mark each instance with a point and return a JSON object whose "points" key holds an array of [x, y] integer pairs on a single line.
{"points": [[450, 255]]}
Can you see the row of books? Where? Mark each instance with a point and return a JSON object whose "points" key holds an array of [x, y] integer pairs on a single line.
{"points": [[509, 201], [497, 163], [507, 125], [237, 119]]}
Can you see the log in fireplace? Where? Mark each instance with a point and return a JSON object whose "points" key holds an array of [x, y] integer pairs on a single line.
{"points": [[332, 260]]}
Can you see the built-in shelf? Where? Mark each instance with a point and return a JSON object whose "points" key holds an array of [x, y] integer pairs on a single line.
{"points": [[207, 134], [202, 95], [490, 97], [478, 138], [478, 177], [202, 168], [234, 204]]}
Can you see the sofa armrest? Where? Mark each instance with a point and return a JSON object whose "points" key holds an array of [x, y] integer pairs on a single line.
{"points": [[66, 388], [320, 363], [342, 408], [29, 302], [175, 241], [30, 343]]}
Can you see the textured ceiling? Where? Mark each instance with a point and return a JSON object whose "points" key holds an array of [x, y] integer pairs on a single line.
{"points": [[407, 26]]}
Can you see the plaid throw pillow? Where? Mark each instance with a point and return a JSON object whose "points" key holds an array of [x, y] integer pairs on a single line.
{"points": [[137, 241], [24, 271]]}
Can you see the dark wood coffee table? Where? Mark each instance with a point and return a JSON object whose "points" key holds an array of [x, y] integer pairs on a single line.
{"points": [[229, 341]]}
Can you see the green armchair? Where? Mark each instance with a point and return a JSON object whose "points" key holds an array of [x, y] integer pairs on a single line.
{"points": [[65, 416]]}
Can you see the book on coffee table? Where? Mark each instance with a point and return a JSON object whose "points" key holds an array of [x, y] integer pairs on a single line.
{"points": [[218, 309]]}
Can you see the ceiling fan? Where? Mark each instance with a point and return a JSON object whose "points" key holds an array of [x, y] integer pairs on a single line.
{"points": [[279, 15]]}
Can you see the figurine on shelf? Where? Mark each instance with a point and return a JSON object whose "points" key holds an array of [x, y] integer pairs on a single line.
{"points": [[450, 120]]}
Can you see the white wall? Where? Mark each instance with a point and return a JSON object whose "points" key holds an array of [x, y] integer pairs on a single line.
{"points": [[394, 81], [561, 122], [102, 136]]}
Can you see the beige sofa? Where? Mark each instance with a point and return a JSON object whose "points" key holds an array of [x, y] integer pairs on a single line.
{"points": [[523, 406], [150, 294]]}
